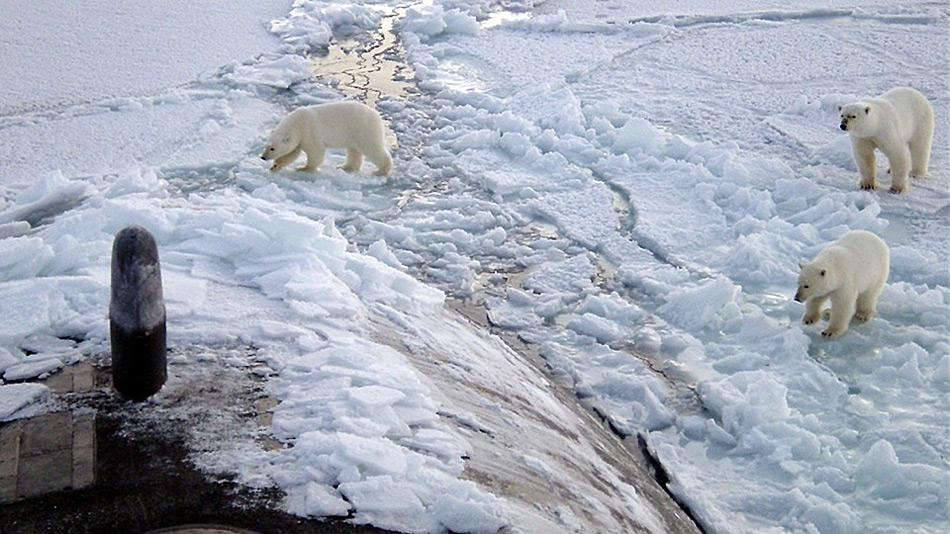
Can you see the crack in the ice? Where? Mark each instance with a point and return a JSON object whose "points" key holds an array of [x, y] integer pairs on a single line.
{"points": [[663, 479], [514, 274], [373, 69], [689, 21]]}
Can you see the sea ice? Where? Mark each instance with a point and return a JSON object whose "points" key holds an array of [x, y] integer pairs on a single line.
{"points": [[623, 188]]}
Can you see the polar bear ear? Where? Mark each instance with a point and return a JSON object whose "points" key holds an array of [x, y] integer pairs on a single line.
{"points": [[867, 109], [823, 272], [802, 264], [839, 108]]}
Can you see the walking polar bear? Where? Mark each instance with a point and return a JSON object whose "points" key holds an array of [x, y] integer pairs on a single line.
{"points": [[351, 125], [851, 272], [901, 124]]}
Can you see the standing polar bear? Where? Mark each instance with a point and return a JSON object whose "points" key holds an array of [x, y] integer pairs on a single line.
{"points": [[351, 125], [900, 123], [851, 272]]}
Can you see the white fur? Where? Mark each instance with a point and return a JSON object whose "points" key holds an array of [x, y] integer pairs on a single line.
{"points": [[851, 272], [351, 125], [901, 124]]}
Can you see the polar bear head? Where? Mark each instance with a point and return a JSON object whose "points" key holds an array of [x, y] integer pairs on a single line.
{"points": [[280, 144], [815, 280], [856, 117]]}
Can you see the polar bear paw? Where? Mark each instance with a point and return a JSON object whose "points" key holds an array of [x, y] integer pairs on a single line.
{"points": [[832, 332]]}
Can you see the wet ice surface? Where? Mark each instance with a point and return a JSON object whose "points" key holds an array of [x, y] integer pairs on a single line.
{"points": [[633, 211], [131, 467], [369, 69]]}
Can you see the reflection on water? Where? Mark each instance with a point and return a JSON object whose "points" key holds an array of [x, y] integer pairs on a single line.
{"points": [[47, 453], [369, 70], [364, 73]]}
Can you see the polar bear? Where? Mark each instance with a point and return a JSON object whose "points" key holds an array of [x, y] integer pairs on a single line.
{"points": [[900, 123], [351, 125], [851, 272]]}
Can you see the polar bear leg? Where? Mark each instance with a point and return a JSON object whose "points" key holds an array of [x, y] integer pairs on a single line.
{"points": [[813, 309], [899, 159], [866, 305], [354, 160], [380, 158], [285, 160], [920, 151], [842, 310], [863, 152], [314, 159]]}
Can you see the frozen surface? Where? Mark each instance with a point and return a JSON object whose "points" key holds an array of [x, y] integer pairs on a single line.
{"points": [[60, 54], [624, 186], [660, 180], [16, 400]]}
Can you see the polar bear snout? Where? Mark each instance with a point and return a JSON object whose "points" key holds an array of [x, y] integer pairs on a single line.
{"points": [[798, 296], [844, 125]]}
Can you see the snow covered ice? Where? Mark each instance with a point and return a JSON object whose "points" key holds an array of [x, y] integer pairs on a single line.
{"points": [[625, 188]]}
